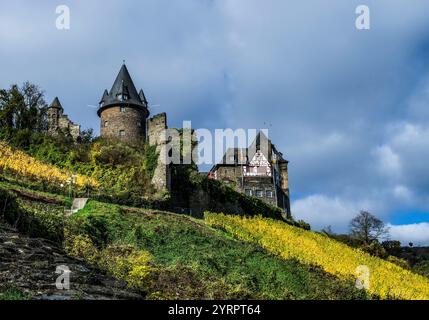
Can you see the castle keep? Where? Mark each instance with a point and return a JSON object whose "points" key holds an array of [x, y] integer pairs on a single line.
{"points": [[123, 111], [124, 116]]}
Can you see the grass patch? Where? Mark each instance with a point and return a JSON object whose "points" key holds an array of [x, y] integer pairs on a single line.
{"points": [[11, 293]]}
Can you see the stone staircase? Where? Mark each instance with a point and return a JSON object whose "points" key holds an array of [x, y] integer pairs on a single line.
{"points": [[78, 203]]}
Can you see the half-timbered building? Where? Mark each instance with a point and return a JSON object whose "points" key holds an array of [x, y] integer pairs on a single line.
{"points": [[258, 171]]}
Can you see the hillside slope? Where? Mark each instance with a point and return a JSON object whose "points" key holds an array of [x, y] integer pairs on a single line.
{"points": [[189, 260], [169, 256], [385, 280], [27, 168]]}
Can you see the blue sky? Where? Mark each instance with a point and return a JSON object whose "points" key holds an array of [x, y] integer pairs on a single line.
{"points": [[348, 108]]}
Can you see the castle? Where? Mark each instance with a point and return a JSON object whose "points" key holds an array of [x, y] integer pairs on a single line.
{"points": [[259, 170]]}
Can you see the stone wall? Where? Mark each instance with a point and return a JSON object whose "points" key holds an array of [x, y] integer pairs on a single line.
{"points": [[229, 174], [262, 184], [200, 200], [74, 130], [155, 127], [126, 123], [156, 135], [59, 122], [284, 177]]}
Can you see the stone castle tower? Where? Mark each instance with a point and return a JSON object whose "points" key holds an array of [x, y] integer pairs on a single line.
{"points": [[59, 122], [124, 115], [123, 111]]}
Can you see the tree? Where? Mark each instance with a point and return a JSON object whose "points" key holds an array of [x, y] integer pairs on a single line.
{"points": [[23, 108], [87, 136], [328, 231], [367, 228], [392, 246]]}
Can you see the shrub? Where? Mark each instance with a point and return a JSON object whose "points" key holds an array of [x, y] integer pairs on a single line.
{"points": [[81, 247], [303, 225], [422, 268], [399, 262], [375, 249], [151, 159], [33, 218]]}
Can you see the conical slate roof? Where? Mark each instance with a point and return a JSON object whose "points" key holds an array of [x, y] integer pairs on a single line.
{"points": [[104, 97], [123, 86], [143, 97], [123, 90], [56, 104]]}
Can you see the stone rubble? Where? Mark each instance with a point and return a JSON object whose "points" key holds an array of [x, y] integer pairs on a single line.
{"points": [[30, 264]]}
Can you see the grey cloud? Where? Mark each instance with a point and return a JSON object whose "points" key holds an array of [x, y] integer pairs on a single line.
{"points": [[328, 93]]}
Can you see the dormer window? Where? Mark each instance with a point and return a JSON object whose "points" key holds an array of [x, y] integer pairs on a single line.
{"points": [[122, 97]]}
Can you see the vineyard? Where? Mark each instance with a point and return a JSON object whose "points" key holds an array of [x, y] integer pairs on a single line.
{"points": [[21, 166], [386, 280]]}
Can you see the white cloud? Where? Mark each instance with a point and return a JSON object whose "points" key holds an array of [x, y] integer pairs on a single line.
{"points": [[321, 211], [406, 150], [388, 161], [402, 193], [417, 233]]}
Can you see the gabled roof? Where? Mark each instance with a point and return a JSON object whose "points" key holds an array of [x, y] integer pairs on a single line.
{"points": [[56, 104], [240, 156], [123, 85], [264, 144]]}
